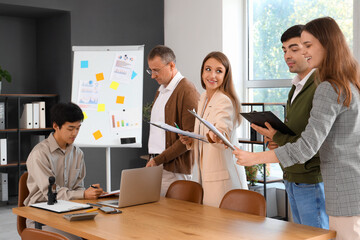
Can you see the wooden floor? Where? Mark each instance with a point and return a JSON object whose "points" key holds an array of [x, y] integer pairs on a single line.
{"points": [[8, 223]]}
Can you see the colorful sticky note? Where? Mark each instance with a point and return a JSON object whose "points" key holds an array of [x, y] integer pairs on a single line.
{"points": [[97, 135], [120, 99], [101, 107], [100, 76], [84, 64], [114, 85], [85, 115], [133, 75]]}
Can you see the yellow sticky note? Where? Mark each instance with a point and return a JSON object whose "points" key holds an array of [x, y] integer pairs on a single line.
{"points": [[99, 76], [101, 107], [114, 85], [120, 99], [97, 135], [85, 115]]}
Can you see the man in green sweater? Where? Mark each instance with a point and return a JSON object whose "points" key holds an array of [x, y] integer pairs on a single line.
{"points": [[303, 182]]}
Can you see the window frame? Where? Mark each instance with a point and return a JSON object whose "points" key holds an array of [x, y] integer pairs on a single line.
{"points": [[286, 83]]}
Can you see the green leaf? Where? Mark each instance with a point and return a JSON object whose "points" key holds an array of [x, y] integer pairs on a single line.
{"points": [[5, 74]]}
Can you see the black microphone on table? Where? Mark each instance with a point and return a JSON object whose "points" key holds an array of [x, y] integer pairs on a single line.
{"points": [[51, 194]]}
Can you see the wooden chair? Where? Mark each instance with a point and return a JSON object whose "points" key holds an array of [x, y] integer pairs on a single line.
{"points": [[23, 193], [32, 233], [245, 201], [186, 190]]}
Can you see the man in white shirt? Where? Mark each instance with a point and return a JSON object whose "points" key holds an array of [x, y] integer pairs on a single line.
{"points": [[174, 97]]}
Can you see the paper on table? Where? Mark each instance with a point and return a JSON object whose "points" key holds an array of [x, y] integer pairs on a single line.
{"points": [[108, 194], [61, 206], [213, 129], [179, 131]]}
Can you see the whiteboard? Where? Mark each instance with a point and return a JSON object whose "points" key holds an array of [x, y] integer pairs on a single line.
{"points": [[108, 86]]}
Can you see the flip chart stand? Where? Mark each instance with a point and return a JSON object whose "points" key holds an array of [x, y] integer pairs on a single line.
{"points": [[108, 170]]}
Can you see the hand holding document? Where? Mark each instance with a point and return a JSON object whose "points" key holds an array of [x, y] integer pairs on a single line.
{"points": [[110, 194], [167, 127], [213, 129]]}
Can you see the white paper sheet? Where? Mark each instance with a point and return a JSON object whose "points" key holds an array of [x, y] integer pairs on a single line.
{"points": [[167, 127], [213, 129]]}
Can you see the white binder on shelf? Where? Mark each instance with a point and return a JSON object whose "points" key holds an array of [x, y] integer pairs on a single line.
{"points": [[4, 196], [3, 151], [27, 116], [35, 114], [2, 115], [42, 119]]}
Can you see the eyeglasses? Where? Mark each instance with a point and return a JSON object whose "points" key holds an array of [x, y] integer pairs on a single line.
{"points": [[155, 72]]}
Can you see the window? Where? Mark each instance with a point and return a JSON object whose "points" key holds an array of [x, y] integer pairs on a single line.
{"points": [[268, 75]]}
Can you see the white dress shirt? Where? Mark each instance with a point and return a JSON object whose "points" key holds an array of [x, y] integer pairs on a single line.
{"points": [[299, 83], [157, 141]]}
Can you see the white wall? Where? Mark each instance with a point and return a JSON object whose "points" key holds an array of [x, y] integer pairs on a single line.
{"points": [[234, 41], [193, 28]]}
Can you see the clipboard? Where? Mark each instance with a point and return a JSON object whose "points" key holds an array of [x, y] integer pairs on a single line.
{"points": [[213, 129], [167, 127], [259, 118], [61, 206]]}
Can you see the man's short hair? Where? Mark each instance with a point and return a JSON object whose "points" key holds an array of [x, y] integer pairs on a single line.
{"points": [[166, 54], [294, 31], [66, 112]]}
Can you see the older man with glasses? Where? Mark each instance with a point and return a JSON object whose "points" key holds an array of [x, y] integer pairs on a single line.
{"points": [[174, 97]]}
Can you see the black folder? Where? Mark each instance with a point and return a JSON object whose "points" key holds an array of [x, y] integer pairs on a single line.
{"points": [[259, 118]]}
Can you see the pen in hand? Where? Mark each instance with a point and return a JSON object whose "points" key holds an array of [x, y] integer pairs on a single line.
{"points": [[94, 186], [176, 125]]}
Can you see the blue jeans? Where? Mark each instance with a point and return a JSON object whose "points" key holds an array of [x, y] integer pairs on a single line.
{"points": [[307, 202]]}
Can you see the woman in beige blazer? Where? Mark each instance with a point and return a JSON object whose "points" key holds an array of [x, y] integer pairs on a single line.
{"points": [[214, 165]]}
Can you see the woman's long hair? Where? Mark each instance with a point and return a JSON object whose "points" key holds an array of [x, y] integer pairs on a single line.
{"points": [[227, 87], [339, 66]]}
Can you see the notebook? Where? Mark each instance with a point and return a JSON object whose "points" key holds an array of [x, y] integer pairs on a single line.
{"points": [[138, 186], [61, 206]]}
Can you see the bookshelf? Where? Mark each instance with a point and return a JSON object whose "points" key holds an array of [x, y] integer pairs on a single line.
{"points": [[19, 139], [264, 179]]}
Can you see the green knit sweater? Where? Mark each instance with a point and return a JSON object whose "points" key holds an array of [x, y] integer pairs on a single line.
{"points": [[297, 116]]}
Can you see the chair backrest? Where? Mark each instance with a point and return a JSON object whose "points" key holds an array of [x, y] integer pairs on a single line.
{"points": [[186, 190], [245, 201], [32, 233], [23, 193]]}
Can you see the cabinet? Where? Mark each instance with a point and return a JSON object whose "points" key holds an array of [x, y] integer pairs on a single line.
{"points": [[253, 142], [19, 139]]}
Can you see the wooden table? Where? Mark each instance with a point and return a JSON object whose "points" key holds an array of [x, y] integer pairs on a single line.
{"points": [[175, 219]]}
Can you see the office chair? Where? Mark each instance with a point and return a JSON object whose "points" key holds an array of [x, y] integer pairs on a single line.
{"points": [[245, 201], [32, 234], [23, 193], [186, 190]]}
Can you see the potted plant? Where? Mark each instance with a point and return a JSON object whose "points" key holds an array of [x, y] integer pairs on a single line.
{"points": [[147, 112], [4, 74], [252, 172]]}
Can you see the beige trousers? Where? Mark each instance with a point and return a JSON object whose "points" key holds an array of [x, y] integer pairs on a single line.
{"points": [[347, 228], [170, 177]]}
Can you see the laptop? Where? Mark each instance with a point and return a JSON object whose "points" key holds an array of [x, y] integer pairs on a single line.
{"points": [[138, 186]]}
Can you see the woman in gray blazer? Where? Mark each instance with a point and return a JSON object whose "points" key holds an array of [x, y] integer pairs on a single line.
{"points": [[333, 127]]}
